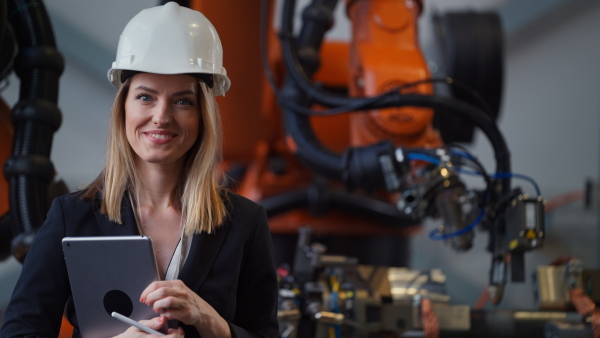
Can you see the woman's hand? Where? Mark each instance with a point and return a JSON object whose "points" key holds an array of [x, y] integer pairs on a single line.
{"points": [[155, 324], [174, 300]]}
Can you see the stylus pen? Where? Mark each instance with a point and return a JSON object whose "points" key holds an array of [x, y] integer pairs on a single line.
{"points": [[132, 322]]}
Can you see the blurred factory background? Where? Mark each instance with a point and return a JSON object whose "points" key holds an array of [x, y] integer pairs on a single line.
{"points": [[550, 117]]}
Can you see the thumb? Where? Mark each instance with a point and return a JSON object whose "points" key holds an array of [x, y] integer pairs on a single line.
{"points": [[154, 323]]}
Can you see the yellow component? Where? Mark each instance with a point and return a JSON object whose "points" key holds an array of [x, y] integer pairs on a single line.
{"points": [[331, 333], [296, 291], [335, 284], [531, 234], [513, 244]]}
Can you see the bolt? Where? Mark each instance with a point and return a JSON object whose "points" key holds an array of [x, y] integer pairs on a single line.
{"points": [[360, 82]]}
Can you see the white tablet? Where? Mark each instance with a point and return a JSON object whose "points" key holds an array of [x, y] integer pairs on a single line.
{"points": [[108, 274]]}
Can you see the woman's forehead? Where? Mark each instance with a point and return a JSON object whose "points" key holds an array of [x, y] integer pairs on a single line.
{"points": [[164, 82]]}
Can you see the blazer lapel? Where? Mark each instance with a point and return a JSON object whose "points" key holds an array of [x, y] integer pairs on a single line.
{"points": [[129, 226], [203, 251]]}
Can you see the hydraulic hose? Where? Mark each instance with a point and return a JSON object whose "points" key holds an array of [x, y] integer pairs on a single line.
{"points": [[365, 207], [335, 166], [36, 117], [357, 167]]}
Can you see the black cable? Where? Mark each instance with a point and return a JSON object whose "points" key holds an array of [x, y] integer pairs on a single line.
{"points": [[480, 119], [360, 105], [357, 107], [454, 83], [476, 163], [264, 26]]}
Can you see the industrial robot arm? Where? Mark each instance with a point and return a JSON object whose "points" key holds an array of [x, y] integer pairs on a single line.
{"points": [[514, 220]]}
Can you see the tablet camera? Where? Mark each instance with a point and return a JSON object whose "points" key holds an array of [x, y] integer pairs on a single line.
{"points": [[118, 301]]}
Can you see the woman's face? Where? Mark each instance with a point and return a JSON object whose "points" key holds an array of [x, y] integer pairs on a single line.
{"points": [[162, 116]]}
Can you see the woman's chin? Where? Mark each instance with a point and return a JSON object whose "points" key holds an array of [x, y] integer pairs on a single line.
{"points": [[160, 160]]}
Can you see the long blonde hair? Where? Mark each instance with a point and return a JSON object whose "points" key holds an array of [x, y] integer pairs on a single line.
{"points": [[197, 193]]}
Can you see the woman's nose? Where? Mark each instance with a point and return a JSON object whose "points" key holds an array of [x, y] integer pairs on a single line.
{"points": [[162, 114]]}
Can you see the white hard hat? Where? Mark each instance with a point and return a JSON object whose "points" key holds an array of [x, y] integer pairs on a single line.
{"points": [[170, 39]]}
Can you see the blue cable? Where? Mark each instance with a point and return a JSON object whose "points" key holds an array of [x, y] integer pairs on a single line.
{"points": [[433, 160], [463, 153], [468, 172], [334, 300], [423, 157], [335, 304], [437, 235], [499, 175], [523, 177]]}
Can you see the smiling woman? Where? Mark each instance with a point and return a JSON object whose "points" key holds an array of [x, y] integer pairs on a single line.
{"points": [[213, 248]]}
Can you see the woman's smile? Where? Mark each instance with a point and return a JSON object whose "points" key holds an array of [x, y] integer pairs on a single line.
{"points": [[160, 137]]}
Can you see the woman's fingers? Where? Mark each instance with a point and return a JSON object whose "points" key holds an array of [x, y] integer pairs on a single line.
{"points": [[155, 323], [151, 288], [174, 300], [156, 286], [167, 303]]}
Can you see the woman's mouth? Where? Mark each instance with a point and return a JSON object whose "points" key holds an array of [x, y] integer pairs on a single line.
{"points": [[160, 137]]}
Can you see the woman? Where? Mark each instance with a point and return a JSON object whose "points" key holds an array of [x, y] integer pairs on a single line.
{"points": [[213, 248]]}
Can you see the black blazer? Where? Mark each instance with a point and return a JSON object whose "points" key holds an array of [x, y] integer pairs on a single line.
{"points": [[232, 269]]}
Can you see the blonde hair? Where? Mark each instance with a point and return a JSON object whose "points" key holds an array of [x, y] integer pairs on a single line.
{"points": [[197, 193]]}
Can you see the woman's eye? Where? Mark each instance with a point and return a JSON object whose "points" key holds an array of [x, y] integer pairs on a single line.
{"points": [[144, 97], [184, 102]]}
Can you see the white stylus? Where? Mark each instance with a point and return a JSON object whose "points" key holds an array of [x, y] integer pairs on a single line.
{"points": [[132, 322]]}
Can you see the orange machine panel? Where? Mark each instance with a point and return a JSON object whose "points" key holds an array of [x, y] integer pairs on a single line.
{"points": [[238, 26], [385, 55]]}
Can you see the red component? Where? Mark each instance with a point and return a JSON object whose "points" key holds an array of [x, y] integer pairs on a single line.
{"points": [[282, 272], [586, 307], [596, 323], [582, 302], [6, 140], [431, 326]]}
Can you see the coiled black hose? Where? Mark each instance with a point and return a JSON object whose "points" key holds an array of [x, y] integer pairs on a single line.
{"points": [[36, 117], [357, 167], [309, 149]]}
